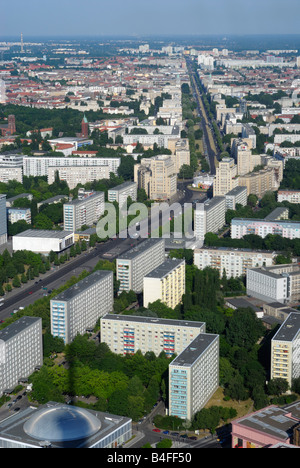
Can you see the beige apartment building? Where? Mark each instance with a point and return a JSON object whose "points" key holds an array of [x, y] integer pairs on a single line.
{"points": [[285, 347], [233, 261], [157, 176], [129, 334], [182, 154], [8, 173], [165, 283], [258, 183], [226, 177]]}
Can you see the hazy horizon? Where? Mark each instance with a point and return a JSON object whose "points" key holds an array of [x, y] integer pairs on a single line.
{"points": [[131, 18]]}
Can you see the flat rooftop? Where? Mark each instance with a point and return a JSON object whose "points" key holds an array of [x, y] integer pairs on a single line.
{"points": [[38, 233], [17, 327], [153, 320], [273, 421], [120, 187], [290, 328], [165, 268], [82, 285], [194, 350], [140, 248]]}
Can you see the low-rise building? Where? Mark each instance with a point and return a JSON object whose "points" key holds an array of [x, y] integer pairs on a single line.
{"points": [[279, 283], [43, 241]]}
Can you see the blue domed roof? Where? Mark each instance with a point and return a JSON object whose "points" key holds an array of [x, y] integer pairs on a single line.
{"points": [[62, 423]]}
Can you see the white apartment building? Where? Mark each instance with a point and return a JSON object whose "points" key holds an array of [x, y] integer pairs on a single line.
{"points": [[43, 241], [129, 334], [234, 262], [278, 283], [209, 216], [226, 177], [74, 175], [76, 310], [133, 265], [121, 192], [8, 173], [285, 349], [86, 210], [165, 283], [194, 376], [3, 219], [236, 196], [19, 214], [241, 227], [21, 351], [291, 196], [38, 165]]}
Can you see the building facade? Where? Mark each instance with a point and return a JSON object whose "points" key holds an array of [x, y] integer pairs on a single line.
{"points": [[86, 210], [76, 310], [133, 265], [165, 283], [121, 192], [285, 350], [194, 376], [129, 334], [21, 351], [209, 216], [226, 177], [234, 262]]}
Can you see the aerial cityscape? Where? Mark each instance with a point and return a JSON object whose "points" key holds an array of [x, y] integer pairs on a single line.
{"points": [[150, 227]]}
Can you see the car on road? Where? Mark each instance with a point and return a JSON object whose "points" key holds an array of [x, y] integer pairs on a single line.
{"points": [[166, 432], [156, 430], [175, 433], [193, 438], [30, 292]]}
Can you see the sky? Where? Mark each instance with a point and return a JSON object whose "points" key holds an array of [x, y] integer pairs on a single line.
{"points": [[143, 17]]}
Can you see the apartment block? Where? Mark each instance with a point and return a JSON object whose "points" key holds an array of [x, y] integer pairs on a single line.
{"points": [[3, 220], [234, 262], [86, 210], [246, 161], [182, 154], [278, 283], [165, 283], [209, 216], [74, 175], [241, 227], [121, 192], [133, 265], [194, 376], [258, 183], [236, 196], [19, 214], [291, 196], [285, 346], [8, 173], [129, 334], [21, 351], [76, 310], [226, 177], [157, 176], [38, 165]]}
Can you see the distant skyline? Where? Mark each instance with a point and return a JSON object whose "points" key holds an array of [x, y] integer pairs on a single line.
{"points": [[140, 18]]}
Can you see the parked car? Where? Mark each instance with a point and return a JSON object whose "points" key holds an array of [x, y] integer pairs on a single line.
{"points": [[156, 430]]}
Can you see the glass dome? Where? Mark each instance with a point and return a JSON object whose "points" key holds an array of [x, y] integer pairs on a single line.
{"points": [[62, 423]]}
